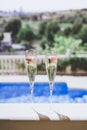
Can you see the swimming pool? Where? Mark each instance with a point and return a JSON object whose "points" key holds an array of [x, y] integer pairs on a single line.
{"points": [[20, 93]]}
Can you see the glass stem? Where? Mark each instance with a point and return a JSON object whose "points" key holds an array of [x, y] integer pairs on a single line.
{"points": [[50, 96], [51, 90], [31, 87]]}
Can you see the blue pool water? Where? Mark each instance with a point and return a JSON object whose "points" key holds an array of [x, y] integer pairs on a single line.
{"points": [[20, 93]]}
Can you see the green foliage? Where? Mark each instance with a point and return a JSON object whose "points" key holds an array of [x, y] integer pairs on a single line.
{"points": [[65, 25], [83, 34], [1, 36], [77, 25], [20, 65], [49, 29], [60, 32], [43, 43], [78, 63], [85, 19], [42, 28], [52, 28], [26, 33], [64, 43], [62, 64], [41, 67], [67, 31], [13, 26]]}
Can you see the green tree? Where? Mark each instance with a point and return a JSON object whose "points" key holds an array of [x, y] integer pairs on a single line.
{"points": [[1, 37], [27, 35], [42, 27], [67, 31], [13, 26], [83, 34], [77, 26], [51, 29], [48, 29]]}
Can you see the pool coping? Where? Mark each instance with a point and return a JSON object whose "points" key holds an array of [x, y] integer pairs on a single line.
{"points": [[79, 82]]}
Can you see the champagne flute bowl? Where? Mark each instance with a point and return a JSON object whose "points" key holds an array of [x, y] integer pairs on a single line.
{"points": [[31, 65], [51, 68]]}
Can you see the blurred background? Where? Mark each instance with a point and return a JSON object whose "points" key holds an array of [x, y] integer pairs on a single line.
{"points": [[43, 25]]}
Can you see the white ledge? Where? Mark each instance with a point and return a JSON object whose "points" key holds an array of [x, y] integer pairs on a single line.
{"points": [[72, 81], [26, 111]]}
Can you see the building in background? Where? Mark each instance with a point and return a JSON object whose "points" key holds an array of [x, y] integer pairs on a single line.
{"points": [[6, 42]]}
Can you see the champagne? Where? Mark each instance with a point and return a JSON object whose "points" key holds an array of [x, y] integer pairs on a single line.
{"points": [[51, 65], [51, 71], [31, 69]]}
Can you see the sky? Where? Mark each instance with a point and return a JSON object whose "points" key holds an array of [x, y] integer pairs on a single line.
{"points": [[41, 5]]}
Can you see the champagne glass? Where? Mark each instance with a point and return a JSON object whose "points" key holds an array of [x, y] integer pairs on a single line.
{"points": [[31, 65], [51, 67]]}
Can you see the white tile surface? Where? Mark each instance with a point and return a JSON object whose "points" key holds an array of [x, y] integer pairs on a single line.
{"points": [[26, 111]]}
